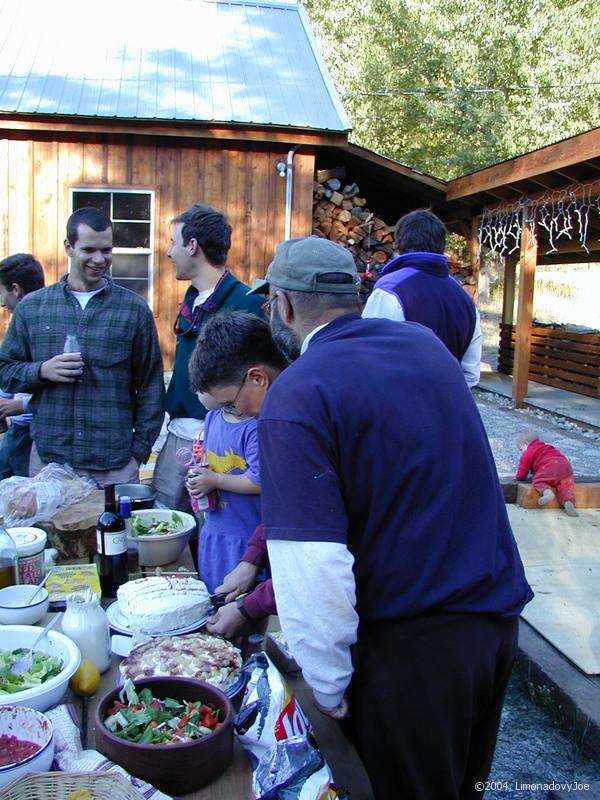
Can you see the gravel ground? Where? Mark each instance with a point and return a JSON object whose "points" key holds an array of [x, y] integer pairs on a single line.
{"points": [[503, 423], [531, 750]]}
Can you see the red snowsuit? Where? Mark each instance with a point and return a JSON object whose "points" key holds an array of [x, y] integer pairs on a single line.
{"points": [[549, 470]]}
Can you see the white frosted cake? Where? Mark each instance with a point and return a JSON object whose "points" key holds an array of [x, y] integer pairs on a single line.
{"points": [[160, 604]]}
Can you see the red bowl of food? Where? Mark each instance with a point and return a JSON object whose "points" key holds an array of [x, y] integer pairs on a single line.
{"points": [[154, 742]]}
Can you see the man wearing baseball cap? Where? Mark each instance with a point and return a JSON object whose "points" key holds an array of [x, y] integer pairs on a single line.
{"points": [[397, 578]]}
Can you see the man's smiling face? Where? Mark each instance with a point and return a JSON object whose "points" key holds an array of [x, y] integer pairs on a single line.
{"points": [[91, 258]]}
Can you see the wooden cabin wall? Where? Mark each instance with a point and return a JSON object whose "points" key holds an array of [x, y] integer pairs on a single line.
{"points": [[37, 174]]}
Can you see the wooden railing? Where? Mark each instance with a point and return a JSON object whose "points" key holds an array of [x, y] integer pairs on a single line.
{"points": [[559, 357]]}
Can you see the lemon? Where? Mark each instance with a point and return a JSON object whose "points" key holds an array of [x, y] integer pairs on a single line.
{"points": [[86, 680]]}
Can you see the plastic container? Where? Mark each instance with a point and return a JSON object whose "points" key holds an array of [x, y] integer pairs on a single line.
{"points": [[30, 543], [85, 623]]}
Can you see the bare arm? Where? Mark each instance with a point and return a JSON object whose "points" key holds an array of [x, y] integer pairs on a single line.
{"points": [[10, 408], [207, 481]]}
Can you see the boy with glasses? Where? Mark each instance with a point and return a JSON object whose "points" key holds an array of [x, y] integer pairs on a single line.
{"points": [[232, 367]]}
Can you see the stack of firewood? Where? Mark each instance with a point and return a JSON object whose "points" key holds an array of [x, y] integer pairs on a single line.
{"points": [[340, 213]]}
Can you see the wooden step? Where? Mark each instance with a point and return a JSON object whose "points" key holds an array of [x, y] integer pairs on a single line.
{"points": [[587, 495]]}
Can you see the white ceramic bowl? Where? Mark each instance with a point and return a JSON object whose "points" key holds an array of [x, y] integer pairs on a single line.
{"points": [[50, 692], [28, 725], [161, 549], [15, 608]]}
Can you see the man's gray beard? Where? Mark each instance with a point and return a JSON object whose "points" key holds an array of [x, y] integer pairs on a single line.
{"points": [[287, 341]]}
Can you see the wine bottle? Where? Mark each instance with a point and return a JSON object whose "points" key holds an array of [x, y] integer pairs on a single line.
{"points": [[133, 558], [111, 545]]}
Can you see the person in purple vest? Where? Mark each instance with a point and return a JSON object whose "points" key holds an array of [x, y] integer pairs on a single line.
{"points": [[417, 286]]}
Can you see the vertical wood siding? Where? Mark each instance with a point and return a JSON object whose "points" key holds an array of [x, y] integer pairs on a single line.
{"points": [[37, 174]]}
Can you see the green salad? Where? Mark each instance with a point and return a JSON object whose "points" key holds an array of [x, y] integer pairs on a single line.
{"points": [[42, 669], [156, 526], [144, 719]]}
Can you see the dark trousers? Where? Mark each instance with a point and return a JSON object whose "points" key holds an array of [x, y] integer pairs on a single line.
{"points": [[14, 451], [426, 698]]}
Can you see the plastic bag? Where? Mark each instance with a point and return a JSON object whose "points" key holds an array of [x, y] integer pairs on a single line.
{"points": [[24, 501], [277, 736]]}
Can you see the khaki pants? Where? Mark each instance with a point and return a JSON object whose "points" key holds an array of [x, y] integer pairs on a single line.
{"points": [[169, 476], [130, 473]]}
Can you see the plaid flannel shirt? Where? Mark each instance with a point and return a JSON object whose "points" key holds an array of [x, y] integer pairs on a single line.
{"points": [[116, 410]]}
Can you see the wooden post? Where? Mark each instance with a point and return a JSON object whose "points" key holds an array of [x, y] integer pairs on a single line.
{"points": [[528, 262], [474, 259], [508, 299]]}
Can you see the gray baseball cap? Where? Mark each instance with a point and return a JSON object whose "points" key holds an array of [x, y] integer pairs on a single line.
{"points": [[298, 265]]}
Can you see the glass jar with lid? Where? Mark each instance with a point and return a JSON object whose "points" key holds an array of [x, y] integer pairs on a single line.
{"points": [[8, 558], [86, 623]]}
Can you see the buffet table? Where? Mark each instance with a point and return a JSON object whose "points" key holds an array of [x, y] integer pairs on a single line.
{"points": [[236, 782]]}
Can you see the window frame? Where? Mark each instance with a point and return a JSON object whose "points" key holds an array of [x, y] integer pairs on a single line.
{"points": [[147, 251]]}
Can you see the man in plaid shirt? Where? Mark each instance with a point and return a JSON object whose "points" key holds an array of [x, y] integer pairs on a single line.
{"points": [[100, 409]]}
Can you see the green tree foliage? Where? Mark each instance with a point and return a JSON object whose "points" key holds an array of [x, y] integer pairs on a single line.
{"points": [[451, 86]]}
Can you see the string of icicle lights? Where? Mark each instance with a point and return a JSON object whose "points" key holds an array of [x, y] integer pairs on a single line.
{"points": [[563, 214]]}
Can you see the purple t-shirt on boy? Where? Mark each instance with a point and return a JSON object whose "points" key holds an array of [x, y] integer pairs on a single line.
{"points": [[231, 448]]}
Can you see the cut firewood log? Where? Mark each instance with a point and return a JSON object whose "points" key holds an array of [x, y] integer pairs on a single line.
{"points": [[327, 205], [380, 256], [351, 190], [323, 175], [356, 235], [360, 201], [347, 205], [336, 198], [344, 216], [335, 184], [337, 231]]}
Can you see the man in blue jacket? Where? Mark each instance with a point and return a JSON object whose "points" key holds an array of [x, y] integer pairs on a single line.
{"points": [[200, 241], [396, 574], [20, 274], [417, 286]]}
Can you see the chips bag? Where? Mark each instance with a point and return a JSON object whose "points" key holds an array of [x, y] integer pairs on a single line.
{"points": [[277, 736]]}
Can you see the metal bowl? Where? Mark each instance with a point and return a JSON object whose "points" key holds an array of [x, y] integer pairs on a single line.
{"points": [[142, 496]]}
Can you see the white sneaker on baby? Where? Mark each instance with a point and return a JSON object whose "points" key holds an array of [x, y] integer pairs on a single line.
{"points": [[547, 496]]}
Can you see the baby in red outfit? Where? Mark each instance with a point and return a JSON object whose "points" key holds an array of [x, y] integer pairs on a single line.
{"points": [[551, 472]]}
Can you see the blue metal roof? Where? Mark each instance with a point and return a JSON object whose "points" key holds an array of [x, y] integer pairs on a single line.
{"points": [[202, 60]]}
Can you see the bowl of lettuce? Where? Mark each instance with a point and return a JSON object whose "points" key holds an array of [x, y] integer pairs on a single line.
{"points": [[56, 659], [160, 535]]}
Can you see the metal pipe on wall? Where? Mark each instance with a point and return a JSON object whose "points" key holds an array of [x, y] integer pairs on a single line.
{"points": [[289, 187]]}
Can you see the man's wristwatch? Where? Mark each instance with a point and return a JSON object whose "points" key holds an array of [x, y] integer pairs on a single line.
{"points": [[240, 607]]}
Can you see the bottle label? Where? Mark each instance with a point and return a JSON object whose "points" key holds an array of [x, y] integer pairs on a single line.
{"points": [[111, 544]]}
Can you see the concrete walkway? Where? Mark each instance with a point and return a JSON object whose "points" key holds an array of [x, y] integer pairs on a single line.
{"points": [[575, 407]]}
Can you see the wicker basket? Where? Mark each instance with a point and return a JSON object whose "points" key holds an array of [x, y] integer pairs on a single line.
{"points": [[58, 786]]}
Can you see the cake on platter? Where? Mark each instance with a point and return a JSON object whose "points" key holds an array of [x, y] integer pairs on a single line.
{"points": [[163, 603]]}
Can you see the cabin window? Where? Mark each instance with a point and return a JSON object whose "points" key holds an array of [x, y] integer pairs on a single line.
{"points": [[131, 213]]}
